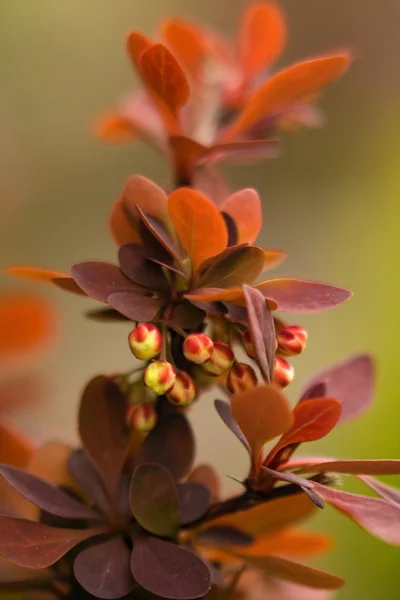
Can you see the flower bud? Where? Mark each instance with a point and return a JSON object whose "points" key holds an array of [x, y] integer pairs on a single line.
{"points": [[145, 341], [220, 361], [198, 347], [241, 377], [248, 344], [184, 391], [292, 340], [159, 376], [141, 417], [283, 372]]}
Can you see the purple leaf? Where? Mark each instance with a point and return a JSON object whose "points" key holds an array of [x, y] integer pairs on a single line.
{"points": [[232, 229], [208, 476], [289, 477], [378, 517], [135, 265], [186, 316], [224, 411], [98, 279], [225, 535], [46, 496], [262, 330], [35, 545], [194, 500], [154, 500], [160, 233], [388, 492], [355, 467], [103, 430], [104, 571], [300, 296], [314, 391], [88, 480], [169, 570], [135, 306], [171, 445], [350, 381], [105, 315]]}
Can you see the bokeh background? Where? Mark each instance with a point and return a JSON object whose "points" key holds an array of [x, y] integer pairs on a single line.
{"points": [[331, 201]]}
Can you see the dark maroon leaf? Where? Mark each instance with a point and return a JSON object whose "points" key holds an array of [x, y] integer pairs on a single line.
{"points": [[169, 570], [388, 492], [232, 229], [233, 267], [35, 545], [225, 535], [104, 315], [186, 316], [88, 480], [170, 267], [160, 233], [194, 500], [135, 306], [135, 265], [262, 329], [154, 500], [313, 497], [289, 477], [299, 296], [104, 570], [46, 496], [208, 476], [103, 430], [379, 517], [224, 411], [99, 279], [236, 313], [170, 444], [351, 382]]}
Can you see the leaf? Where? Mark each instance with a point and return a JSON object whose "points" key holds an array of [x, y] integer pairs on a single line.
{"points": [[15, 449], [171, 445], [290, 542], [208, 476], [351, 381], [88, 480], [103, 430], [262, 413], [193, 500], [355, 467], [300, 296], [262, 37], [281, 568], [236, 266], [186, 315], [245, 209], [273, 258], [35, 545], [103, 570], [160, 233], [224, 535], [154, 500], [136, 44], [312, 420], [105, 315], [380, 518], [135, 306], [46, 496], [136, 266], [225, 412], [99, 279], [187, 43], [195, 219], [169, 570], [384, 490], [113, 127], [61, 280], [287, 87], [243, 151], [262, 331]]}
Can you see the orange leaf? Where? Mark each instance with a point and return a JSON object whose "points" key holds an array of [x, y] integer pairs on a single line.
{"points": [[244, 207], [113, 127], [136, 44], [262, 414], [199, 224], [287, 87], [289, 543], [312, 420], [166, 82], [61, 280], [262, 37], [273, 258], [187, 42], [15, 449]]}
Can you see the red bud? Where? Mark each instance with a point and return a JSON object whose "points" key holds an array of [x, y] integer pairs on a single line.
{"points": [[241, 377], [283, 372], [292, 340], [220, 361], [184, 391], [159, 376], [142, 417], [145, 341], [198, 347]]}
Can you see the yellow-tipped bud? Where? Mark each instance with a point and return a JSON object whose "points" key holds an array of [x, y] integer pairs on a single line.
{"points": [[142, 417], [283, 372], [241, 377], [292, 340], [184, 391], [145, 341], [159, 376], [198, 347], [220, 361]]}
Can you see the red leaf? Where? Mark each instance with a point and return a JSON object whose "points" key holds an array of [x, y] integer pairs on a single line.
{"points": [[378, 517], [35, 545], [262, 37], [384, 490], [355, 467], [187, 42], [61, 280], [136, 44], [245, 209], [300, 296], [262, 330], [262, 414], [15, 449], [287, 87], [351, 381], [103, 430], [312, 420], [196, 219]]}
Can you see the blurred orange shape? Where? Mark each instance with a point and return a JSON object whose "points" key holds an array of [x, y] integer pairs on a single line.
{"points": [[188, 43], [136, 44], [61, 280]]}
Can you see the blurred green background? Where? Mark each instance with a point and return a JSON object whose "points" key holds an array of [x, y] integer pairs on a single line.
{"points": [[330, 201]]}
